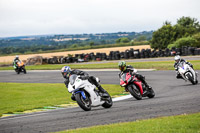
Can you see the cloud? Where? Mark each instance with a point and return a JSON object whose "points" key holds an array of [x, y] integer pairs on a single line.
{"points": [[28, 17]]}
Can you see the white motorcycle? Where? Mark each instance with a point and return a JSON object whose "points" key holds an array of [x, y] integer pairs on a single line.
{"points": [[86, 94], [187, 73]]}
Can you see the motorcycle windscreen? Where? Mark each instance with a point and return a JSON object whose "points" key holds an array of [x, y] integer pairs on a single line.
{"points": [[123, 77], [181, 65], [72, 79]]}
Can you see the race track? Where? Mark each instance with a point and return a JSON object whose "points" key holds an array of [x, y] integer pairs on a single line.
{"points": [[173, 97]]}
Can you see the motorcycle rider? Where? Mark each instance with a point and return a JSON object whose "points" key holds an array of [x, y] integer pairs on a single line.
{"points": [[128, 68], [15, 61], [67, 72], [178, 60]]}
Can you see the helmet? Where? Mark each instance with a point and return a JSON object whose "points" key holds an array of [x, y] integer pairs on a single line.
{"points": [[17, 57], [66, 70], [177, 58], [122, 65]]}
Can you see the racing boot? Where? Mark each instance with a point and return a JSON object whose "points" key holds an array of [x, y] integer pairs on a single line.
{"points": [[104, 94], [145, 83], [148, 87]]}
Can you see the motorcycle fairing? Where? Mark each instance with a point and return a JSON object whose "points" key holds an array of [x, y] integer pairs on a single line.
{"points": [[82, 93], [125, 79], [139, 84], [78, 83]]}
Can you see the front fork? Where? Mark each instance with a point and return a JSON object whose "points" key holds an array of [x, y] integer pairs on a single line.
{"points": [[82, 93]]}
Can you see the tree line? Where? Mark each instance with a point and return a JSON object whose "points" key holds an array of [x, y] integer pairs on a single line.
{"points": [[18, 45], [186, 32]]}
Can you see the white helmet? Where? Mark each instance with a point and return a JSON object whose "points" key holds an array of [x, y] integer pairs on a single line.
{"points": [[17, 57], [177, 58]]}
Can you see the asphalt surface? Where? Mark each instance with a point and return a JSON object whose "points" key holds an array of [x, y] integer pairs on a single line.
{"points": [[173, 97]]}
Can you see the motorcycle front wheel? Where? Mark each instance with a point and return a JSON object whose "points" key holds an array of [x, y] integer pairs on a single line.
{"points": [[24, 70], [18, 71], [85, 104], [151, 94], [135, 92], [190, 78]]}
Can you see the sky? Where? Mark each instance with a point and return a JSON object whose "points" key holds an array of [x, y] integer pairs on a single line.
{"points": [[45, 17]]}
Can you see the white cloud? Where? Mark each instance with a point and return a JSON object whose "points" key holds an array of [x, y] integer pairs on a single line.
{"points": [[28, 17]]}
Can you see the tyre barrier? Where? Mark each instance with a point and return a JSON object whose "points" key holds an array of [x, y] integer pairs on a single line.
{"points": [[127, 54]]}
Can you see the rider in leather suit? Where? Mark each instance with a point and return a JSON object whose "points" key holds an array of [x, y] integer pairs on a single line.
{"points": [[128, 68], [178, 60], [15, 62], [67, 72]]}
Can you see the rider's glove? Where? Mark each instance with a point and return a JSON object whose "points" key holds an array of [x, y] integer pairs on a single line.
{"points": [[66, 82]]}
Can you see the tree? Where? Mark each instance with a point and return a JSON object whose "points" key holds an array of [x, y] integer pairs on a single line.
{"points": [[168, 34], [124, 40], [188, 22], [91, 44], [197, 38], [141, 38], [167, 23], [190, 25], [185, 41], [118, 40], [162, 37]]}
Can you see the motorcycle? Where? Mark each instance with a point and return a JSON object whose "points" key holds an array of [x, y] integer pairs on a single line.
{"points": [[187, 73], [86, 94], [133, 85], [20, 67]]}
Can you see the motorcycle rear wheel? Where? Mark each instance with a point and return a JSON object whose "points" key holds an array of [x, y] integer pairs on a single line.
{"points": [[85, 104], [135, 92]]}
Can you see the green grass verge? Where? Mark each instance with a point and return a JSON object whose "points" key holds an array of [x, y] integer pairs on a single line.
{"points": [[18, 97], [158, 65], [173, 124]]}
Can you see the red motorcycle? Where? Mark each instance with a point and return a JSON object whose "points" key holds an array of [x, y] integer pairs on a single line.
{"points": [[133, 85]]}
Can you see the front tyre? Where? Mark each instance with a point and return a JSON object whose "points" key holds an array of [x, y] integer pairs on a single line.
{"points": [[24, 70], [135, 92], [108, 103], [18, 71], [85, 104], [151, 93], [190, 78]]}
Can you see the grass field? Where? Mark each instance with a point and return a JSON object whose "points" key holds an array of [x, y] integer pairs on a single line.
{"points": [[158, 65], [18, 97], [186, 123]]}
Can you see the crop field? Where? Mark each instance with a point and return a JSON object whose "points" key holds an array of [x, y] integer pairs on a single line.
{"points": [[6, 59]]}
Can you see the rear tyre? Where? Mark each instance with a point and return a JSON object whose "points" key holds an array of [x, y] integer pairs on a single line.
{"points": [[85, 104], [135, 92], [108, 103]]}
